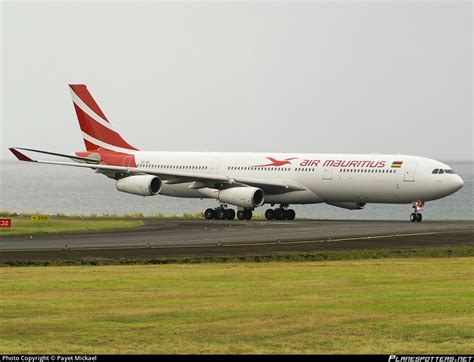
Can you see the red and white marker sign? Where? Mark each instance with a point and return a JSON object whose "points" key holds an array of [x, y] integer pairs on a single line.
{"points": [[5, 223]]}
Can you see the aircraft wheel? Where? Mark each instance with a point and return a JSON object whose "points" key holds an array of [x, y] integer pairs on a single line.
{"points": [[280, 214], [240, 215], [290, 214], [419, 217], [220, 214], [247, 214], [209, 214], [269, 214], [230, 214], [413, 217]]}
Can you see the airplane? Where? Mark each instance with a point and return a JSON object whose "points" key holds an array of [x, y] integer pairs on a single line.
{"points": [[251, 180]]}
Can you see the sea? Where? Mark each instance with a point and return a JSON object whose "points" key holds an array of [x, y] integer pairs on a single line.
{"points": [[49, 189]]}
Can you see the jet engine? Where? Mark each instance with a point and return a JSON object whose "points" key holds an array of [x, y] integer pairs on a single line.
{"points": [[142, 185], [247, 197], [348, 205]]}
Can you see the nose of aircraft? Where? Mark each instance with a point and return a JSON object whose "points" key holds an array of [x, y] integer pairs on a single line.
{"points": [[455, 183]]}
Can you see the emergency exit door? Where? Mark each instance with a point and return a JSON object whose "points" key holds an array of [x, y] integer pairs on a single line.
{"points": [[327, 173], [409, 172]]}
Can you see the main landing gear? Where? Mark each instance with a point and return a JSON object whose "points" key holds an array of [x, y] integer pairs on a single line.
{"points": [[280, 213], [245, 214], [417, 207], [220, 213], [223, 213]]}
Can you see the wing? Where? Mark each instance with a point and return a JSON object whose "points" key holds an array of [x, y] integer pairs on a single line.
{"points": [[77, 158], [197, 180]]}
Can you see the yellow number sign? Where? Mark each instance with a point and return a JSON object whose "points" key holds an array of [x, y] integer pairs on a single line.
{"points": [[40, 217]]}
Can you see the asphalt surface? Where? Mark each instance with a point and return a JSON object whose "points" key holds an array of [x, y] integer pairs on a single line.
{"points": [[181, 237]]}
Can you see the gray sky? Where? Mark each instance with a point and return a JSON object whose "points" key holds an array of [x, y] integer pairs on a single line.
{"points": [[352, 77]]}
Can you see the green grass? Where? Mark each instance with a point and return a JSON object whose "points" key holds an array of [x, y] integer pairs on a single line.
{"points": [[441, 252], [372, 306], [26, 226], [139, 215]]}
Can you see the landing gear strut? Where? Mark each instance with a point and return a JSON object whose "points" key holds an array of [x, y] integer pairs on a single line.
{"points": [[280, 213], [417, 207], [220, 213]]}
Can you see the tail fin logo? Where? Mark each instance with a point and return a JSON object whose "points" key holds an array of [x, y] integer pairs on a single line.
{"points": [[97, 131]]}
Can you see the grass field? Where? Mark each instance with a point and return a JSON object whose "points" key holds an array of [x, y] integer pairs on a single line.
{"points": [[363, 306], [26, 226]]}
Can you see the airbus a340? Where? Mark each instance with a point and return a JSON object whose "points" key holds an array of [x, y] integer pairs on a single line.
{"points": [[250, 180]]}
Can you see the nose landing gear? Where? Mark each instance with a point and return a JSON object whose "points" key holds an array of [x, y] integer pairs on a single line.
{"points": [[417, 207]]}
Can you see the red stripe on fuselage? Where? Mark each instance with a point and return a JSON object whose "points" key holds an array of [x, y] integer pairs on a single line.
{"points": [[85, 154], [111, 158], [117, 159]]}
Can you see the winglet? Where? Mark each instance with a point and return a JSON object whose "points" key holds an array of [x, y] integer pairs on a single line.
{"points": [[20, 155]]}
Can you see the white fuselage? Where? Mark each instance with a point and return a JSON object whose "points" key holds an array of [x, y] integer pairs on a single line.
{"points": [[363, 178]]}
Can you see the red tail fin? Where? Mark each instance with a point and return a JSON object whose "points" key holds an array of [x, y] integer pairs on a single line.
{"points": [[97, 131]]}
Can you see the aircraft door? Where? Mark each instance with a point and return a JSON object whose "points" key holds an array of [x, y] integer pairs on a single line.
{"points": [[127, 161], [327, 173], [409, 172], [213, 167]]}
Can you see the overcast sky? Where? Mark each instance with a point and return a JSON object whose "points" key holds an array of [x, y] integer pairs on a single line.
{"points": [[346, 77]]}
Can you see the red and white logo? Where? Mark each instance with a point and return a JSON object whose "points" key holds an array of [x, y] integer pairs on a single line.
{"points": [[97, 131], [276, 162]]}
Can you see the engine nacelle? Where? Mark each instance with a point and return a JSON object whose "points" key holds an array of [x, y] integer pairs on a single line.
{"points": [[348, 205], [242, 196], [142, 185]]}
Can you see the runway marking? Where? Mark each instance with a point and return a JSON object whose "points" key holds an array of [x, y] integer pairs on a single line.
{"points": [[216, 239], [329, 240], [214, 245], [250, 227]]}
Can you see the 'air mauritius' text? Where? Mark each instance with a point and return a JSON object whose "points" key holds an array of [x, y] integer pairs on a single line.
{"points": [[343, 163]]}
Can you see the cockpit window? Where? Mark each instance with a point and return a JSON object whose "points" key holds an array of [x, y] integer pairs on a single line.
{"points": [[440, 171], [448, 171], [435, 170]]}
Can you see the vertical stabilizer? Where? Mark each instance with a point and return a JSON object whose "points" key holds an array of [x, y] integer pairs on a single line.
{"points": [[97, 131]]}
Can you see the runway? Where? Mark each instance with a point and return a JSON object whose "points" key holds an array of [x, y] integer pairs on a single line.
{"points": [[181, 237]]}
